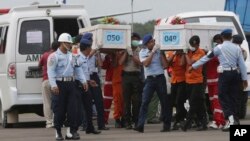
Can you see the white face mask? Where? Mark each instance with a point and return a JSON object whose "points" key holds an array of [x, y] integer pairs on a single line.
{"points": [[192, 48]]}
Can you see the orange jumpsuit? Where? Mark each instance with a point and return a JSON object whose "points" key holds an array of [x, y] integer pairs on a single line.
{"points": [[117, 92]]}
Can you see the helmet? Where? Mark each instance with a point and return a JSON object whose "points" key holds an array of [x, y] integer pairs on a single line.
{"points": [[65, 37]]}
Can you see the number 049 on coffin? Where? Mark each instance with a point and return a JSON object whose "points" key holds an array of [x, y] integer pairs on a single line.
{"points": [[109, 36], [176, 37]]}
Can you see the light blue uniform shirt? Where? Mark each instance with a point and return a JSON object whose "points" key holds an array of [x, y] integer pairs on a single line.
{"points": [[83, 63], [229, 55], [62, 65], [92, 64], [155, 68]]}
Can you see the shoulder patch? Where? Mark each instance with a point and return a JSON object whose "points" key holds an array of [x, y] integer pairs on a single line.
{"points": [[51, 60]]}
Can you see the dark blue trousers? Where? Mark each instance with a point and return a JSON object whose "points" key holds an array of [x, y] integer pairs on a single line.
{"points": [[157, 84], [98, 100], [66, 104], [86, 109], [229, 92]]}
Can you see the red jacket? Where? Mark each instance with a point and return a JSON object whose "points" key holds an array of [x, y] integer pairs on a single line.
{"points": [[212, 74], [107, 65]]}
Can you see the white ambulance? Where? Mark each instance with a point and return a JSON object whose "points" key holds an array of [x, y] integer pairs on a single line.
{"points": [[25, 34], [219, 18]]}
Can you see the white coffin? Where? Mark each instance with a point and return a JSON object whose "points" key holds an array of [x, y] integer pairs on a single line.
{"points": [[176, 37], [109, 36]]}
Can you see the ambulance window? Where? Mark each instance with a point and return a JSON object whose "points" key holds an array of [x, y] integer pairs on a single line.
{"points": [[3, 38], [68, 25], [34, 37]]}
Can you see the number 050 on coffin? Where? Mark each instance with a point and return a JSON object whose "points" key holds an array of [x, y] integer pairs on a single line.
{"points": [[176, 37], [109, 36]]}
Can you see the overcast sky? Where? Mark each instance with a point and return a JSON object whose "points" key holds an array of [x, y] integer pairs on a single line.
{"points": [[160, 8]]}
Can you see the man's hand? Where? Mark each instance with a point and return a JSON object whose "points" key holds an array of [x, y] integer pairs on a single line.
{"points": [[55, 90], [85, 86], [93, 83], [156, 47], [245, 84], [185, 50], [130, 52]]}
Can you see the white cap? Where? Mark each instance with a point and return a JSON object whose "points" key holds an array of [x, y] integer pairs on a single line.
{"points": [[65, 37]]}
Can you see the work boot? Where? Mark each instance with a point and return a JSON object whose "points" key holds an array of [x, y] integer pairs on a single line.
{"points": [[92, 131], [139, 129], [203, 125], [59, 136], [72, 135], [186, 125], [176, 126]]}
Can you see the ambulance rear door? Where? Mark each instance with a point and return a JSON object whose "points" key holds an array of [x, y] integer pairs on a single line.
{"points": [[33, 39]]}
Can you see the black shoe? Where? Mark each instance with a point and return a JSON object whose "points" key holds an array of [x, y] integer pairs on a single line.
{"points": [[185, 125], [73, 136], [201, 128], [165, 130], [103, 128], [154, 121], [176, 126], [93, 131], [129, 127], [83, 128], [59, 136], [139, 129]]}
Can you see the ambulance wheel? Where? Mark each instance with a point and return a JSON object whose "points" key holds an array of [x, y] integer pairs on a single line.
{"points": [[3, 117], [243, 105]]}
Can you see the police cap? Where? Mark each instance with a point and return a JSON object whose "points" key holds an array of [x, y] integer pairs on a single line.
{"points": [[227, 31], [86, 39], [146, 39]]}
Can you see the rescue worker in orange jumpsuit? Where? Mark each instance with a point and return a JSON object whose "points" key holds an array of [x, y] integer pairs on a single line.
{"points": [[176, 61], [117, 91]]}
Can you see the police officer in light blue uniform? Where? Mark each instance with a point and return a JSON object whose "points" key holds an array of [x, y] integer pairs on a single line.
{"points": [[94, 62], [87, 96], [230, 58], [154, 63], [62, 75]]}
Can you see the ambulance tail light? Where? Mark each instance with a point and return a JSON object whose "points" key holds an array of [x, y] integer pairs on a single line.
{"points": [[12, 71], [4, 11]]}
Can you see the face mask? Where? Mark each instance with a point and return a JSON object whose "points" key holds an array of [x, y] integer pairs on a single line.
{"points": [[135, 43], [192, 48]]}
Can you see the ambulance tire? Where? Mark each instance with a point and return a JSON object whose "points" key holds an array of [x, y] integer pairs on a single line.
{"points": [[243, 105]]}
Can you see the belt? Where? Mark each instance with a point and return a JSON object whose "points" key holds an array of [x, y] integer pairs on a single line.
{"points": [[230, 69], [93, 73], [65, 79], [155, 76], [131, 73]]}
